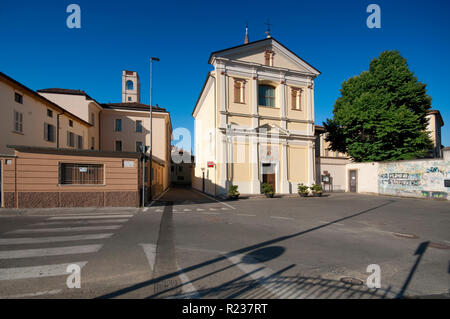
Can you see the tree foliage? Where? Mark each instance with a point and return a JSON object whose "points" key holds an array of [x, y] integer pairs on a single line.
{"points": [[381, 114]]}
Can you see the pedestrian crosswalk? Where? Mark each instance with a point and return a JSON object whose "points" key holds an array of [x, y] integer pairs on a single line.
{"points": [[47, 248], [177, 209]]}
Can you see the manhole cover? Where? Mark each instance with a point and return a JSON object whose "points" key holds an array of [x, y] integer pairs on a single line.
{"points": [[410, 236], [439, 245], [352, 281]]}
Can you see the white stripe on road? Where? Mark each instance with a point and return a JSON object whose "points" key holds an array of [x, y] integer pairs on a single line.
{"points": [[187, 288], [33, 294], [89, 217], [64, 229], [38, 240], [37, 271], [41, 252], [200, 209], [150, 253], [213, 209], [279, 217], [250, 215], [259, 275], [186, 210], [211, 213], [213, 199], [82, 222]]}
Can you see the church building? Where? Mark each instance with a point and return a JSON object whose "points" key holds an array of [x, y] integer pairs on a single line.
{"points": [[254, 120]]}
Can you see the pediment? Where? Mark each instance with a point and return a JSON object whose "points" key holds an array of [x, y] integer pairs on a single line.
{"points": [[254, 52]]}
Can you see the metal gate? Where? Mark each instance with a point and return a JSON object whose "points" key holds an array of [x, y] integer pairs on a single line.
{"points": [[353, 181]]}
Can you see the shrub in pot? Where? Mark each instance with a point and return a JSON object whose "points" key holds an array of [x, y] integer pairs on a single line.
{"points": [[303, 190], [317, 190], [233, 192], [267, 189]]}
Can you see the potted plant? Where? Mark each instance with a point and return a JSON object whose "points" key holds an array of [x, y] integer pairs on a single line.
{"points": [[233, 192], [303, 190], [317, 190], [267, 189]]}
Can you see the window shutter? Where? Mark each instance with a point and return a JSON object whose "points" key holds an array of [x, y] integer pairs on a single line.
{"points": [[21, 122], [46, 132], [68, 138]]}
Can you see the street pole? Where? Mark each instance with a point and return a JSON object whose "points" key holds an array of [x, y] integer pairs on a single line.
{"points": [[151, 124], [143, 175]]}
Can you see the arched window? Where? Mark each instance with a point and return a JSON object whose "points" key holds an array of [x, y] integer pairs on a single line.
{"points": [[129, 85], [266, 95]]}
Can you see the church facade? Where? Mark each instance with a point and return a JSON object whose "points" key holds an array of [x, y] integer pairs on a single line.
{"points": [[254, 120]]}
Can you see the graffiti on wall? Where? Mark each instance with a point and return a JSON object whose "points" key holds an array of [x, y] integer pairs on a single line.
{"points": [[425, 179]]}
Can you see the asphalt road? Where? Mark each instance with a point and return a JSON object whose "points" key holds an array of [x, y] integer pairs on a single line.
{"points": [[188, 245]]}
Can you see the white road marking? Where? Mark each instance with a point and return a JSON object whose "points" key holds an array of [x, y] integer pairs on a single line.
{"points": [[224, 208], [159, 210], [158, 197], [37, 271], [179, 212], [249, 215], [207, 213], [259, 275], [200, 209], [150, 253], [212, 209], [38, 240], [64, 229], [82, 222], [41, 252], [213, 199], [279, 217], [146, 209], [33, 294], [89, 217], [187, 287], [186, 210]]}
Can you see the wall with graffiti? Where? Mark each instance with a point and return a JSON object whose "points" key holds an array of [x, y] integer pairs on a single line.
{"points": [[420, 178]]}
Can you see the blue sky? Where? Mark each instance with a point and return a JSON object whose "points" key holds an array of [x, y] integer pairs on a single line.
{"points": [[38, 49]]}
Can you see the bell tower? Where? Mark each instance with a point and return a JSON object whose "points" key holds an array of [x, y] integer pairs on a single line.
{"points": [[130, 87]]}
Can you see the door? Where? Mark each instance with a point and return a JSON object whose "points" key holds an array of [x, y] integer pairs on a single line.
{"points": [[1, 189], [352, 181], [269, 179]]}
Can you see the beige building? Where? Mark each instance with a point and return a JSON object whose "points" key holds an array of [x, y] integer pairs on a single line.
{"points": [[254, 120], [73, 123], [435, 122]]}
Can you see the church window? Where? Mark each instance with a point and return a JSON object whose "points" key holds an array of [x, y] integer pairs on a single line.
{"points": [[129, 85], [296, 95], [239, 91], [266, 95]]}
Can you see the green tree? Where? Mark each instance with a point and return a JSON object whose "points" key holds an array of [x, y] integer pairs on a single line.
{"points": [[381, 114]]}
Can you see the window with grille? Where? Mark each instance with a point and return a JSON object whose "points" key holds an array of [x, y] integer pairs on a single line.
{"points": [[118, 146], [266, 95], [49, 132], [118, 126], [81, 174], [79, 142], [139, 126], [70, 139], [18, 122]]}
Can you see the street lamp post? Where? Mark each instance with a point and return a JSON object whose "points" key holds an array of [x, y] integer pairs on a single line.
{"points": [[151, 123]]}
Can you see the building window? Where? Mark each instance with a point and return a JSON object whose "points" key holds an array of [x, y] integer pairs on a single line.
{"points": [[49, 113], [92, 143], [18, 122], [239, 91], [70, 139], [81, 174], [266, 95], [129, 99], [118, 147], [93, 118], [79, 142], [129, 85], [118, 126], [139, 126], [268, 57], [171, 169], [138, 146], [49, 132], [18, 98], [70, 123], [296, 95]]}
